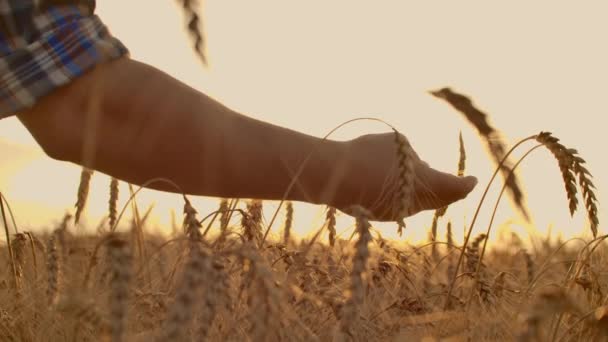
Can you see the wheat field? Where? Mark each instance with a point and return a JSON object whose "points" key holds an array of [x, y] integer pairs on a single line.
{"points": [[221, 277]]}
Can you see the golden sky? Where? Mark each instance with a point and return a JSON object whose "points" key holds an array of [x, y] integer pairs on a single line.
{"points": [[311, 65]]}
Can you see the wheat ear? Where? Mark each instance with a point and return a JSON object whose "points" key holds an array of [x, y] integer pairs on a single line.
{"points": [[83, 192], [193, 277], [113, 202], [570, 164], [407, 176], [331, 225], [195, 28], [120, 259], [350, 311]]}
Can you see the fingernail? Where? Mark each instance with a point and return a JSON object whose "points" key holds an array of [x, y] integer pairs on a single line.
{"points": [[471, 182]]}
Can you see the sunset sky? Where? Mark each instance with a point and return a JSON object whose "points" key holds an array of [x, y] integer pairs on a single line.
{"points": [[312, 65]]}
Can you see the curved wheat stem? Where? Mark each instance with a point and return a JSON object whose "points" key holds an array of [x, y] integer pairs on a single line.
{"points": [[9, 245], [470, 230]]}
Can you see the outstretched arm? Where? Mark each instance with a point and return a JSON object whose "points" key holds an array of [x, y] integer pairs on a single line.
{"points": [[136, 123]]}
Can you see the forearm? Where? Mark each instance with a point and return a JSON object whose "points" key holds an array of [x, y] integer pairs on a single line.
{"points": [[150, 125]]}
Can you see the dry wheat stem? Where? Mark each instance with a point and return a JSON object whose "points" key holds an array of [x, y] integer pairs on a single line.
{"points": [[580, 319], [86, 313], [502, 191], [10, 212], [543, 268], [137, 226], [529, 265], [233, 204], [214, 216], [8, 244], [461, 169], [580, 264], [140, 188], [32, 239], [470, 230], [93, 258], [18, 243]]}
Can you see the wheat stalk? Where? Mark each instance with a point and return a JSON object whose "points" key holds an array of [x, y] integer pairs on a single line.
{"points": [[570, 164], [83, 192], [120, 259], [462, 160], [288, 222], [433, 238], [529, 266], [19, 242], [87, 313], [34, 243], [224, 211], [491, 136], [350, 311], [331, 225], [252, 222], [265, 299], [53, 267], [217, 286], [197, 268], [472, 253], [195, 27], [113, 202], [8, 243], [407, 176]]}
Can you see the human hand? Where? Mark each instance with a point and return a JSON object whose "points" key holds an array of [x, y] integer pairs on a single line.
{"points": [[373, 179]]}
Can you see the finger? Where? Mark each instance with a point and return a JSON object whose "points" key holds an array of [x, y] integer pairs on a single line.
{"points": [[435, 189]]}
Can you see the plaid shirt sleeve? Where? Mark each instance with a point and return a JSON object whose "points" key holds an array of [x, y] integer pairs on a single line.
{"points": [[42, 49]]}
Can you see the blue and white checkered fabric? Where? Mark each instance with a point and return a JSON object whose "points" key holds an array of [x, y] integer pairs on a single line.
{"points": [[42, 49]]}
